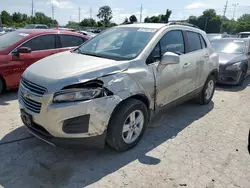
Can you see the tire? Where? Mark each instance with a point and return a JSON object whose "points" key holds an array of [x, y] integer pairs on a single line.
{"points": [[242, 77], [203, 97], [117, 137], [1, 86]]}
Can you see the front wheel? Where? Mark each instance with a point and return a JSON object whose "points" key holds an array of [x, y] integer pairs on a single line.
{"points": [[207, 92], [127, 125], [242, 77], [1, 86]]}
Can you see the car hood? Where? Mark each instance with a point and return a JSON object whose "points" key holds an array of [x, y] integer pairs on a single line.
{"points": [[66, 68], [225, 58]]}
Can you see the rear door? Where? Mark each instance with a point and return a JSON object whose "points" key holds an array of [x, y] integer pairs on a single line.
{"points": [[192, 63], [69, 42]]}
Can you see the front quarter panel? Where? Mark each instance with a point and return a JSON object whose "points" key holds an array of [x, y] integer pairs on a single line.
{"points": [[137, 80]]}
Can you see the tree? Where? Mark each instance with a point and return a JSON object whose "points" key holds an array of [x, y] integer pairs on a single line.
{"points": [[105, 13], [88, 22], [72, 25], [132, 19], [167, 15], [6, 17], [244, 18], [17, 17], [125, 21], [147, 20]]}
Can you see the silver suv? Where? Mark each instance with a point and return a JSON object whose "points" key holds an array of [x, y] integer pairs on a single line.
{"points": [[112, 85]]}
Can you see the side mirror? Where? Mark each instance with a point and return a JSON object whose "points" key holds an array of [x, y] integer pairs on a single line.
{"points": [[23, 50], [167, 59]]}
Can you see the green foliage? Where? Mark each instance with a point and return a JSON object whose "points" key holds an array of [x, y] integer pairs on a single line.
{"points": [[105, 14], [213, 23], [73, 25], [160, 18], [20, 20], [125, 21], [88, 22], [132, 19]]}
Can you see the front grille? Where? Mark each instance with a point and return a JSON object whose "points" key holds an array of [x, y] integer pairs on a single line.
{"points": [[34, 88], [30, 104]]}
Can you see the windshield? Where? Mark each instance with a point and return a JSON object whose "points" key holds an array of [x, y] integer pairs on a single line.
{"points": [[214, 36], [11, 38], [229, 46], [120, 43], [246, 35]]}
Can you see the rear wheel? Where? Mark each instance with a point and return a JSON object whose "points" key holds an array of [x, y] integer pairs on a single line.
{"points": [[207, 92], [127, 125]]}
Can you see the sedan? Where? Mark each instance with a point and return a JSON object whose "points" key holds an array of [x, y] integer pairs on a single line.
{"points": [[21, 48], [234, 59]]}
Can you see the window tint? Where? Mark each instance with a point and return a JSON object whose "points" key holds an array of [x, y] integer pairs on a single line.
{"points": [[44, 42], [41, 27], [172, 42], [193, 41], [203, 43], [70, 41]]}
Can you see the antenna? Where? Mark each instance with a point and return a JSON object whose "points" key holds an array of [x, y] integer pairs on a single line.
{"points": [[141, 14]]}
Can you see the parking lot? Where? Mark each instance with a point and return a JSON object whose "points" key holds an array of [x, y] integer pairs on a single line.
{"points": [[188, 146]]}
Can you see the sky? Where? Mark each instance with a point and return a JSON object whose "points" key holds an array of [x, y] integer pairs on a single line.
{"points": [[67, 10]]}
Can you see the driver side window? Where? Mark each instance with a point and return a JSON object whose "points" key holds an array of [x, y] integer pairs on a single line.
{"points": [[44, 42], [173, 41]]}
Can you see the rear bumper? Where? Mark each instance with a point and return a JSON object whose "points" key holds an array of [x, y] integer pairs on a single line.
{"points": [[229, 77]]}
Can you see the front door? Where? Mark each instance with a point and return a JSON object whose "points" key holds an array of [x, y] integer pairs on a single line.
{"points": [[41, 47], [169, 78]]}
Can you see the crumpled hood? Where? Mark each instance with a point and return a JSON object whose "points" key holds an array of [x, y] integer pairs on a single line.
{"points": [[225, 58], [68, 68]]}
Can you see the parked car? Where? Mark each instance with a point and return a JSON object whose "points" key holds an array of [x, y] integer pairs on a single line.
{"points": [[106, 90], [2, 32], [21, 48], [234, 58], [213, 36], [36, 26], [244, 35], [90, 34]]}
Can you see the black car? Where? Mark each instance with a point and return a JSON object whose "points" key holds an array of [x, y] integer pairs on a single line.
{"points": [[234, 59]]}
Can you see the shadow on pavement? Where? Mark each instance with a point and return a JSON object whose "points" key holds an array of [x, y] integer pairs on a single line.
{"points": [[32, 163], [233, 88], [8, 96]]}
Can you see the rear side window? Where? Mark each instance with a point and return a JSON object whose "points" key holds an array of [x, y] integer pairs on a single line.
{"points": [[70, 41], [203, 43], [194, 42], [44, 42], [172, 42]]}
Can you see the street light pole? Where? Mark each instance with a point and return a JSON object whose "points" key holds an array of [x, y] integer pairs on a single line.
{"points": [[234, 5]]}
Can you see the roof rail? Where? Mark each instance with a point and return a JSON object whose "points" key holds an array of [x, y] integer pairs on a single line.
{"points": [[182, 23]]}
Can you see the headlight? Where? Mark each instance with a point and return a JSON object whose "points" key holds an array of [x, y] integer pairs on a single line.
{"points": [[234, 67], [72, 95]]}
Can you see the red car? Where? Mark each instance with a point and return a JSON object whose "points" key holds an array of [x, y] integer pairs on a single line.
{"points": [[21, 48]]}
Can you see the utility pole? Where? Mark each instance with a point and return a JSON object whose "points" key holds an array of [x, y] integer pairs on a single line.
{"points": [[224, 15], [79, 14], [90, 12], [205, 27], [53, 11], [141, 14], [225, 10], [32, 8], [234, 5]]}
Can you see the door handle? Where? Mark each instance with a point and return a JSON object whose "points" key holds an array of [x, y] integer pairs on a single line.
{"points": [[186, 65]]}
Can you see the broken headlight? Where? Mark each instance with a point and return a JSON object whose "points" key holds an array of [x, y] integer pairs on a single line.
{"points": [[72, 95]]}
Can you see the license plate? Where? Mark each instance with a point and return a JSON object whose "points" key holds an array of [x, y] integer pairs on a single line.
{"points": [[27, 118]]}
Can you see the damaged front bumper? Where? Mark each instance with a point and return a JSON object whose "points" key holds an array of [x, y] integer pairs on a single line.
{"points": [[73, 123]]}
